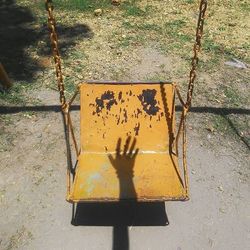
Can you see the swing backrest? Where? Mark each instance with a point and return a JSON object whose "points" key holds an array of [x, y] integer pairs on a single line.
{"points": [[110, 111]]}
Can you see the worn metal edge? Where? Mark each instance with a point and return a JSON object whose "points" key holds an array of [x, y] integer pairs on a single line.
{"points": [[126, 82], [102, 200]]}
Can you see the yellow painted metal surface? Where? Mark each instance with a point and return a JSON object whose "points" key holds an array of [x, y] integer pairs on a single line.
{"points": [[154, 177], [126, 137], [110, 112]]}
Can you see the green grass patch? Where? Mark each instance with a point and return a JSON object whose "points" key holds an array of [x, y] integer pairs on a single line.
{"points": [[82, 5], [130, 40], [150, 27], [233, 126], [189, 1], [174, 31], [175, 25], [142, 26], [70, 86], [245, 6], [128, 25], [233, 98], [220, 124], [156, 77], [15, 95], [240, 52], [211, 65], [130, 8], [210, 46], [133, 11]]}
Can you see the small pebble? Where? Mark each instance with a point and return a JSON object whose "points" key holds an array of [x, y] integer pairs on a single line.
{"points": [[98, 12], [222, 210]]}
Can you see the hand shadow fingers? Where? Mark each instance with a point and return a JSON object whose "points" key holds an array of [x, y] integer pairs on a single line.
{"points": [[132, 148], [136, 153], [118, 147], [111, 159], [126, 146]]}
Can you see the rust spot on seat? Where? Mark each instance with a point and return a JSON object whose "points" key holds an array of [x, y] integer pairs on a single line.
{"points": [[125, 115], [137, 128], [107, 100], [149, 102], [138, 113], [120, 96]]}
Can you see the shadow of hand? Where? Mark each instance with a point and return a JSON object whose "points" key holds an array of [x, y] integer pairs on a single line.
{"points": [[124, 161]]}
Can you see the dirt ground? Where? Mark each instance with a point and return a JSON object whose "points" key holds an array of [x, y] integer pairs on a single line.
{"points": [[35, 215], [33, 210]]}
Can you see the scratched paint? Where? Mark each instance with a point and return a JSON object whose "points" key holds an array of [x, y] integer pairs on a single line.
{"points": [[91, 181], [107, 100], [137, 113], [149, 102], [105, 166], [123, 116], [120, 96], [137, 128], [118, 117]]}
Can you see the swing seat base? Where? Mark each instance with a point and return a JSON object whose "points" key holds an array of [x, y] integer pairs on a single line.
{"points": [[127, 139], [155, 178]]}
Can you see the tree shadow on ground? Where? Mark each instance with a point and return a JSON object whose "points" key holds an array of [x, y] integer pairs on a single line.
{"points": [[20, 33], [220, 111]]}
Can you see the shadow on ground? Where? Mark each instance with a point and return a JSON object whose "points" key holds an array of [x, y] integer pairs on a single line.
{"points": [[120, 216], [223, 112], [20, 32]]}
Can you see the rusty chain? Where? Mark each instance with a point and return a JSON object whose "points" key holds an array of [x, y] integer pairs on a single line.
{"points": [[55, 51], [197, 47]]}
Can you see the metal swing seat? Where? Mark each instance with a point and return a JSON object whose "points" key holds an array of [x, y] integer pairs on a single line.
{"points": [[127, 134], [129, 143]]}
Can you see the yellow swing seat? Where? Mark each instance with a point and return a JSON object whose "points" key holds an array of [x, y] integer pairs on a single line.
{"points": [[139, 117]]}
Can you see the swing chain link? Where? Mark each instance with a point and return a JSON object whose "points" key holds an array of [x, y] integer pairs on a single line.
{"points": [[197, 48], [54, 44]]}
